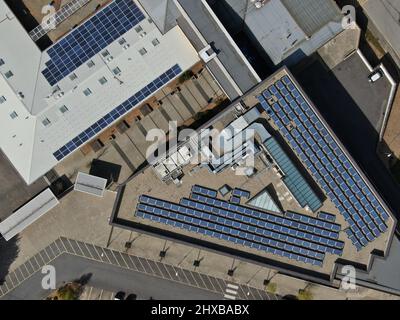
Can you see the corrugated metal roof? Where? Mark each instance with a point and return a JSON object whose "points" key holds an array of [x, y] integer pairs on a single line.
{"points": [[90, 184], [312, 15], [28, 214]]}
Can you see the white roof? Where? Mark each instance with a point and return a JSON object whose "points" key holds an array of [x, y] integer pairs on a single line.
{"points": [[26, 141], [28, 214], [90, 184]]}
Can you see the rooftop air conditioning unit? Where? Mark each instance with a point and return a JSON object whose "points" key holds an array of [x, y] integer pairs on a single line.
{"points": [[58, 95], [126, 46]]}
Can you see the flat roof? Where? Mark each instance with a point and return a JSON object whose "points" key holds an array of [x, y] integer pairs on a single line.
{"points": [[384, 15], [230, 56], [28, 214], [283, 28], [263, 177], [48, 117]]}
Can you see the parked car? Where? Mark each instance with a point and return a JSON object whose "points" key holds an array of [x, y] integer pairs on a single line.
{"points": [[131, 296], [375, 76], [120, 295]]}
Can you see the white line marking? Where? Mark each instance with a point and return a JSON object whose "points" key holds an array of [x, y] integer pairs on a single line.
{"points": [[231, 291], [232, 286], [227, 296]]}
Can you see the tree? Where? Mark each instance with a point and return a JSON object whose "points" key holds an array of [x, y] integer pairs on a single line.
{"points": [[69, 291], [271, 287], [305, 294]]}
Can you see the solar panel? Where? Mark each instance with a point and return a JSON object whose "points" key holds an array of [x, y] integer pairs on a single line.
{"points": [[251, 224], [224, 233], [234, 199], [204, 191], [240, 193], [327, 216], [318, 150], [116, 113], [90, 38]]}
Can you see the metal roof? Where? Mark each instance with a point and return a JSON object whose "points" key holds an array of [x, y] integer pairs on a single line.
{"points": [[28, 214], [312, 15], [41, 128], [90, 184]]}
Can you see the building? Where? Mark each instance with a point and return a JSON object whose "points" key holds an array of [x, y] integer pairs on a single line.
{"points": [[320, 211], [59, 99], [383, 18], [285, 31]]}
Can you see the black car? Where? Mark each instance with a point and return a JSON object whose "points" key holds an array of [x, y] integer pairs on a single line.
{"points": [[131, 296], [120, 295]]}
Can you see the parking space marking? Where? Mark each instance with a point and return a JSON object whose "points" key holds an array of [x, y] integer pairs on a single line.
{"points": [[45, 257], [93, 252], [30, 264], [212, 283], [60, 245], [156, 268], [110, 256], [102, 255], [140, 264], [24, 270], [82, 246], [190, 278], [18, 275], [39, 260], [120, 259], [35, 263], [125, 259], [164, 271]]}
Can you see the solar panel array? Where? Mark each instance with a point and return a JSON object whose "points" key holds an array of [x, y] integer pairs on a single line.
{"points": [[204, 191], [327, 216], [353, 239], [90, 38], [261, 230], [330, 166], [241, 193], [293, 179], [234, 199], [116, 113]]}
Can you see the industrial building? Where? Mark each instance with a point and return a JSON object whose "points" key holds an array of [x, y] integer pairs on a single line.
{"points": [[59, 99]]}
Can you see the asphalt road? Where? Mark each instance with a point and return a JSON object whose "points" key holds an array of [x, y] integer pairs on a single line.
{"points": [[110, 278]]}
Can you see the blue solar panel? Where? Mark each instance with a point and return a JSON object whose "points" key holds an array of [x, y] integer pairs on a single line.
{"points": [[116, 113], [90, 38], [327, 162], [234, 199], [256, 237], [204, 191], [240, 193], [252, 216]]}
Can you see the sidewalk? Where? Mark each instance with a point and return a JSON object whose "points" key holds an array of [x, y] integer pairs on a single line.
{"points": [[85, 218]]}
